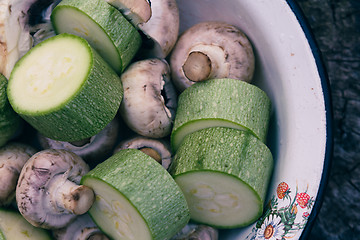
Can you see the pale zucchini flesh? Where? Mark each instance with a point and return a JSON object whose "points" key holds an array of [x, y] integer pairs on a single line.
{"points": [[14, 226], [46, 70], [219, 199], [136, 198], [115, 215], [103, 26], [64, 89], [224, 174]]}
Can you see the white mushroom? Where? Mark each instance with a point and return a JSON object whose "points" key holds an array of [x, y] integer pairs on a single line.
{"points": [[159, 149], [48, 193], [150, 100], [162, 29], [17, 18], [197, 232], [136, 11], [82, 228], [12, 159], [93, 150], [211, 50]]}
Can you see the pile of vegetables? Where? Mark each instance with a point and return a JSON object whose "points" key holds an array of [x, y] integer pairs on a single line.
{"points": [[112, 126]]}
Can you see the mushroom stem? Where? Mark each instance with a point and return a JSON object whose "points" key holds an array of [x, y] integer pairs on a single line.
{"points": [[197, 66], [47, 193], [98, 236], [81, 143], [158, 149], [211, 57], [67, 195], [152, 153]]}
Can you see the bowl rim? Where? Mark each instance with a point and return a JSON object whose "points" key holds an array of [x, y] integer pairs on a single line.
{"points": [[325, 84]]}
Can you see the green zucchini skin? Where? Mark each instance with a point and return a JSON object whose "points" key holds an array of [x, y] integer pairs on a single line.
{"points": [[124, 36], [10, 122], [148, 187], [231, 102], [232, 152], [88, 111]]}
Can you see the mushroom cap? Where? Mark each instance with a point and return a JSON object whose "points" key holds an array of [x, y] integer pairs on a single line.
{"points": [[93, 150], [136, 11], [15, 39], [12, 159], [33, 196], [161, 146], [144, 109], [162, 28], [195, 231], [15, 30], [81, 228], [226, 44]]}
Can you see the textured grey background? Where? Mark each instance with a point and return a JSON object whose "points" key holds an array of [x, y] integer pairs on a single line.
{"points": [[336, 28]]}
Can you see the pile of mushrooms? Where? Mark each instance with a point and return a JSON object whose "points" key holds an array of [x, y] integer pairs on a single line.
{"points": [[48, 193]]}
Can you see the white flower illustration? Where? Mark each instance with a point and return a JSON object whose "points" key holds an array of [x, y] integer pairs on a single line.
{"points": [[271, 229]]}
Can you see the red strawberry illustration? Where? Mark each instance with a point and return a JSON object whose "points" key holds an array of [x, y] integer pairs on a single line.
{"points": [[306, 214], [303, 199], [282, 190]]}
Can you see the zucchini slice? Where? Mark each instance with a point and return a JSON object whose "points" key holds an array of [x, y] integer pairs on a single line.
{"points": [[14, 226], [64, 89], [10, 122], [136, 198], [102, 25], [221, 102], [224, 174]]}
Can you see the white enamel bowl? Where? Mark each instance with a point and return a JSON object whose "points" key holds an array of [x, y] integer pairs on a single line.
{"points": [[290, 71]]}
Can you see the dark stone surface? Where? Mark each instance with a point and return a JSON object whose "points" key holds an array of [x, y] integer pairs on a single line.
{"points": [[336, 27]]}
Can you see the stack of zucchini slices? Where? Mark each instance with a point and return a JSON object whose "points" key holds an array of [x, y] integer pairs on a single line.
{"points": [[221, 162]]}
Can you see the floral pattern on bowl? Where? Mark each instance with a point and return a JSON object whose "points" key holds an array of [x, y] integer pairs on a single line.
{"points": [[286, 213]]}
